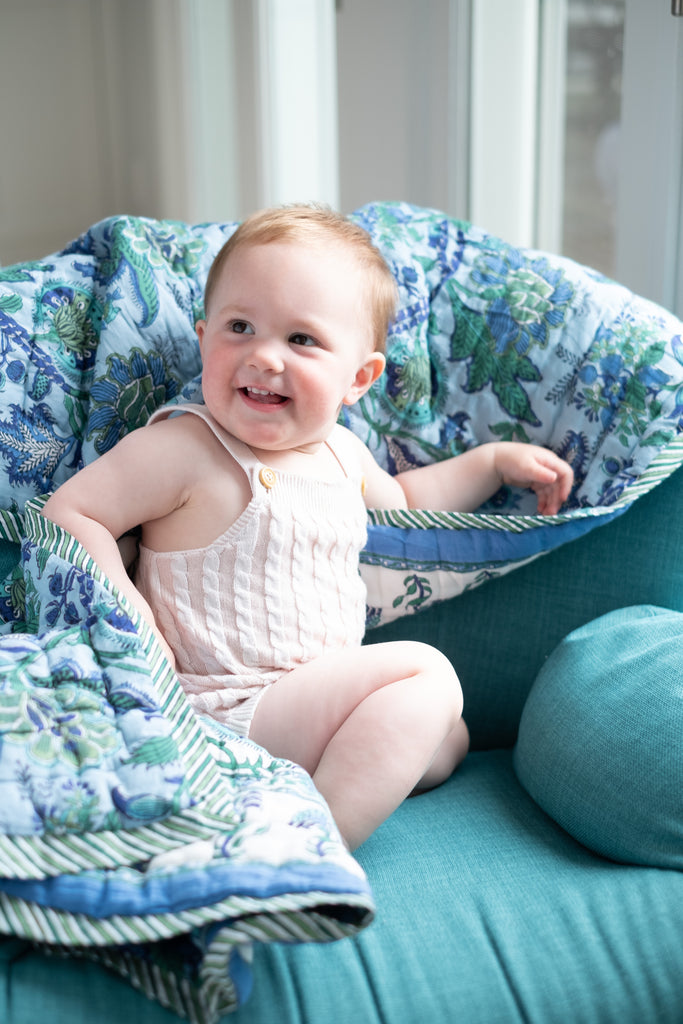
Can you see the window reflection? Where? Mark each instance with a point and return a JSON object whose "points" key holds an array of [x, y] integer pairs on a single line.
{"points": [[595, 35]]}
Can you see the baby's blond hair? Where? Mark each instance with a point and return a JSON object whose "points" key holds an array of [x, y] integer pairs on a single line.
{"points": [[313, 222]]}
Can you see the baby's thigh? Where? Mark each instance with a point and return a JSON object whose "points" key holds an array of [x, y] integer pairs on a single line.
{"points": [[299, 714]]}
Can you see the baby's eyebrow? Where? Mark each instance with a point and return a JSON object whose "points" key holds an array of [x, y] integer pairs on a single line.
{"points": [[236, 307]]}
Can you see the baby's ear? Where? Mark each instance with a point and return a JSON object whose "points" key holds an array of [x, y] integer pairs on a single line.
{"points": [[367, 374], [200, 327]]}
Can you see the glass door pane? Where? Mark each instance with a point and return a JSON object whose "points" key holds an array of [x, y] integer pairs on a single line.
{"points": [[594, 55]]}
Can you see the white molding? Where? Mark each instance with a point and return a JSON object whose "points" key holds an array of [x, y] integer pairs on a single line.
{"points": [[551, 125], [246, 105], [504, 117], [214, 172], [297, 73], [459, 106]]}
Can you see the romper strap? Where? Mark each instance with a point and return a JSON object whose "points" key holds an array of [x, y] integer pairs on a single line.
{"points": [[343, 448]]}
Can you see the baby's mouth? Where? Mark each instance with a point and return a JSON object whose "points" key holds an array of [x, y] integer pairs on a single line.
{"points": [[263, 397]]}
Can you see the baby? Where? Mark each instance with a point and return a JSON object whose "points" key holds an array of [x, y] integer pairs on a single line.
{"points": [[252, 508]]}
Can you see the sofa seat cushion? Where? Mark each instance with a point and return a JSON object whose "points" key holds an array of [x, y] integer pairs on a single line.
{"points": [[486, 911], [600, 743]]}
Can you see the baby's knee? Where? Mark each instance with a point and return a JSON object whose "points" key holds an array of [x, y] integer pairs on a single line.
{"points": [[441, 678], [436, 663], [427, 657]]}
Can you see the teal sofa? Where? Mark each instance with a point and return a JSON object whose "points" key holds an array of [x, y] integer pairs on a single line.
{"points": [[544, 881]]}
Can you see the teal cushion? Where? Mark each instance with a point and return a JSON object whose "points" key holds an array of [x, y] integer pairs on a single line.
{"points": [[9, 556], [600, 744], [487, 912], [498, 636]]}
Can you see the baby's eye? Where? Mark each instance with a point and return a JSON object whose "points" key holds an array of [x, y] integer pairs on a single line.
{"points": [[240, 327], [303, 339]]}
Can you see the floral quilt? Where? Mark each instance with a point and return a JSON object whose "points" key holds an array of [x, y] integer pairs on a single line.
{"points": [[491, 342], [494, 342], [130, 829]]}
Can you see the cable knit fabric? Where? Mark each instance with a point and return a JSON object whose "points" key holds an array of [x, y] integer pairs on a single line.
{"points": [[279, 588]]}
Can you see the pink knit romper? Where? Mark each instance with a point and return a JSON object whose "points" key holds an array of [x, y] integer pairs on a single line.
{"points": [[279, 588]]}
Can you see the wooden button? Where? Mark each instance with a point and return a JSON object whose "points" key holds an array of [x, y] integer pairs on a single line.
{"points": [[267, 476]]}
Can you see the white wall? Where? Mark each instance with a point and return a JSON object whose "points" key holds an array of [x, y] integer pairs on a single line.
{"points": [[158, 108], [155, 107], [83, 82], [54, 167]]}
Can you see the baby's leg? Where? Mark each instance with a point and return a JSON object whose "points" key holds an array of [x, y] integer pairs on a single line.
{"points": [[370, 725], [449, 755]]}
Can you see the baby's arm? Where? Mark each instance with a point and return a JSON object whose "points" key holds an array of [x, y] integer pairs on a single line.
{"points": [[129, 485], [464, 482]]}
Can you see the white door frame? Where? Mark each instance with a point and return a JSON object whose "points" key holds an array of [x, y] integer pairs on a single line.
{"points": [[513, 185], [297, 73], [503, 121], [252, 92], [518, 91]]}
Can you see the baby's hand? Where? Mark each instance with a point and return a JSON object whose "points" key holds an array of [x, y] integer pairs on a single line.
{"points": [[528, 465]]}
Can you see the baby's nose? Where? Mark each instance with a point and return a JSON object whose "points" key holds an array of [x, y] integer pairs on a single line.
{"points": [[267, 354]]}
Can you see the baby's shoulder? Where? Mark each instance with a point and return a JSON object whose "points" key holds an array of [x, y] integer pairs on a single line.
{"points": [[349, 447], [342, 437], [177, 425], [186, 439]]}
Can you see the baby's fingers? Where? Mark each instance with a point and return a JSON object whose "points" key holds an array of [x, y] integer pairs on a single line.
{"points": [[551, 497], [555, 475]]}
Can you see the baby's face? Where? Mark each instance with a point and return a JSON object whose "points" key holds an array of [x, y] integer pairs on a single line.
{"points": [[287, 340]]}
